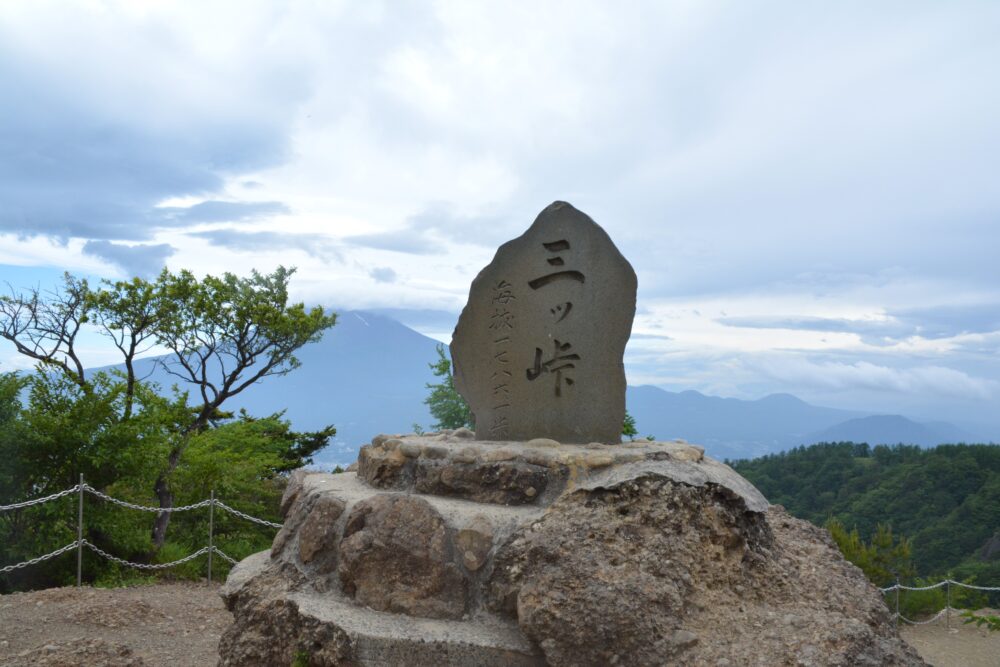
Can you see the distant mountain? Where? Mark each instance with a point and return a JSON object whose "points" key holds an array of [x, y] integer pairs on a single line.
{"points": [[891, 430], [367, 375], [730, 427]]}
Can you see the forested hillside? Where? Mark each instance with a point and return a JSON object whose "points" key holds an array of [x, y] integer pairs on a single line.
{"points": [[946, 499]]}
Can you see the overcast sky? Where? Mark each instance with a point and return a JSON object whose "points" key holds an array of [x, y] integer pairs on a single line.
{"points": [[809, 192]]}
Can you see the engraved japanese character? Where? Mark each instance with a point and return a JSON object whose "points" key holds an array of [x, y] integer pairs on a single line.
{"points": [[503, 294], [556, 365], [501, 319], [556, 246]]}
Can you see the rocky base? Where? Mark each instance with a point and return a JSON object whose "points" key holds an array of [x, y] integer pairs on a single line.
{"points": [[442, 550]]}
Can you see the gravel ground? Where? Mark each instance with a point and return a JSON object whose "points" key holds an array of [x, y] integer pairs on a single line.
{"points": [[164, 624], [180, 625], [960, 645]]}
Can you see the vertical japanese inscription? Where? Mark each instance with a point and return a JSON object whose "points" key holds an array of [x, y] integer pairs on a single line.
{"points": [[562, 357], [538, 348], [501, 326]]}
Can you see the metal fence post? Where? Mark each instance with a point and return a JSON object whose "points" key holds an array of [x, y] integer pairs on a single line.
{"points": [[211, 532], [947, 612], [897, 603], [79, 535]]}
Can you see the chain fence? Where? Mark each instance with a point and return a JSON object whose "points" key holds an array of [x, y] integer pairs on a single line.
{"points": [[211, 503], [948, 609]]}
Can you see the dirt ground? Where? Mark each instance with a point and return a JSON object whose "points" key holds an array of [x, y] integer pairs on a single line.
{"points": [[960, 645], [180, 624], [144, 626]]}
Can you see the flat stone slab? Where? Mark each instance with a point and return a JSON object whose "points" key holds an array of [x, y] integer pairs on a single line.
{"points": [[538, 348], [372, 638], [535, 472], [539, 552]]}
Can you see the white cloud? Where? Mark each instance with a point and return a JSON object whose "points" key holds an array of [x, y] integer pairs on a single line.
{"points": [[767, 162], [933, 380]]}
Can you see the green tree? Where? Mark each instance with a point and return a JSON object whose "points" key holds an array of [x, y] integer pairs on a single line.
{"points": [[883, 559], [628, 427], [445, 403], [223, 334]]}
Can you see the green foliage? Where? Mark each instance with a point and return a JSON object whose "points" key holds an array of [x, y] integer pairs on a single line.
{"points": [[883, 559], [944, 498], [128, 440], [445, 403], [992, 623], [628, 427]]}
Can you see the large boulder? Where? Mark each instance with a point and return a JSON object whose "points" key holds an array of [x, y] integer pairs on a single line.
{"points": [[639, 554], [395, 556], [654, 572]]}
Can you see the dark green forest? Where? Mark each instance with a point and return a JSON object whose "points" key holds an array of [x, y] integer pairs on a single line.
{"points": [[945, 500]]}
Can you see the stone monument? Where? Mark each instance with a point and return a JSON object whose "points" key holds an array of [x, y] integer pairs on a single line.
{"points": [[545, 541], [538, 349]]}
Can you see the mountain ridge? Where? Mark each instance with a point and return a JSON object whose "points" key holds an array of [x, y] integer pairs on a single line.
{"points": [[368, 375]]}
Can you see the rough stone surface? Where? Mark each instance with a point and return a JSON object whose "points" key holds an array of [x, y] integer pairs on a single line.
{"points": [[277, 618], [75, 652], [505, 482], [538, 348], [269, 629], [474, 541], [646, 553], [396, 556], [654, 572], [318, 534], [535, 471]]}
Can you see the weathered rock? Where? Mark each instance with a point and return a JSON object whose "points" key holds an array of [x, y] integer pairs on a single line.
{"points": [[292, 491], [278, 618], [318, 534], [297, 511], [381, 466], [644, 554], [653, 571], [503, 482], [269, 629], [538, 348], [396, 556], [474, 541]]}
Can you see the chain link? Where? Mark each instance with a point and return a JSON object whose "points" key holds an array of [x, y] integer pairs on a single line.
{"points": [[39, 501], [33, 561], [978, 588], [929, 620], [232, 561], [938, 585], [246, 516], [922, 588], [144, 508], [144, 566]]}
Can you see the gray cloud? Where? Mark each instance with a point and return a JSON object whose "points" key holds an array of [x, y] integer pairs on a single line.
{"points": [[925, 379], [222, 211], [383, 274], [141, 260], [409, 241], [870, 330], [423, 232], [951, 320], [316, 245], [928, 322], [72, 164]]}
